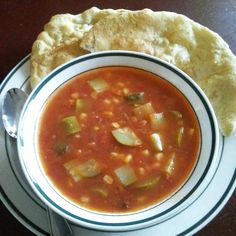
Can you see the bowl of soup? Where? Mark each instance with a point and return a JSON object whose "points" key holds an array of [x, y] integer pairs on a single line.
{"points": [[118, 141]]}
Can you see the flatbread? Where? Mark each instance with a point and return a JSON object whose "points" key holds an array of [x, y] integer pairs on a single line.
{"points": [[60, 41], [201, 53]]}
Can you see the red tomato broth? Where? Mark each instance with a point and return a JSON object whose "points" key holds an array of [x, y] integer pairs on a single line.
{"points": [[107, 109]]}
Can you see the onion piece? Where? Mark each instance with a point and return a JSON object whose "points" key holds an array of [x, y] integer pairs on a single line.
{"points": [[179, 136], [157, 142], [142, 111], [170, 167], [157, 120]]}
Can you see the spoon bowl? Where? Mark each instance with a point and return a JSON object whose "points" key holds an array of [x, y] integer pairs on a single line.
{"points": [[13, 103]]}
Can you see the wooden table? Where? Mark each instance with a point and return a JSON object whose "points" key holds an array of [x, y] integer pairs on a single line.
{"points": [[21, 21]]}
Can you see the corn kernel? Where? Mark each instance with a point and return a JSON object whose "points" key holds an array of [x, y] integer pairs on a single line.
{"points": [[107, 101], [156, 165], [128, 158], [94, 95], [83, 116], [116, 100], [159, 156], [96, 128], [85, 199], [125, 91], [71, 102], [108, 114], [120, 84], [146, 152], [191, 131], [74, 95], [141, 170], [92, 144], [114, 154], [108, 179], [141, 198], [115, 125]]}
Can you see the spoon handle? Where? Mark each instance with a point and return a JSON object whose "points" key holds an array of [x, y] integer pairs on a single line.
{"points": [[58, 225]]}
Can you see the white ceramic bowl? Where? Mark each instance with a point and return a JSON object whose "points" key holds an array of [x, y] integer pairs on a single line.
{"points": [[192, 188]]}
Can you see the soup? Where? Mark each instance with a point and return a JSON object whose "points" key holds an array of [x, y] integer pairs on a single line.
{"points": [[118, 139]]}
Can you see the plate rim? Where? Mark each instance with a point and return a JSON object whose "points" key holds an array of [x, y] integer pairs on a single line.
{"points": [[194, 228]]}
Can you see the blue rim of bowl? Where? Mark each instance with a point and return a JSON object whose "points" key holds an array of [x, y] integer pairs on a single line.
{"points": [[184, 77]]}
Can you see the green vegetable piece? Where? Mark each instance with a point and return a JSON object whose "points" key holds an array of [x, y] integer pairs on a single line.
{"points": [[98, 85], [156, 142], [100, 191], [179, 136], [177, 114], [136, 98], [149, 183], [71, 167], [143, 111], [89, 168], [157, 120], [70, 125], [81, 104], [74, 174], [126, 136], [71, 164], [126, 175], [60, 148]]}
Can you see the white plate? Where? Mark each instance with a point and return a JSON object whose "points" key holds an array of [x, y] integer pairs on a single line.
{"points": [[18, 197]]}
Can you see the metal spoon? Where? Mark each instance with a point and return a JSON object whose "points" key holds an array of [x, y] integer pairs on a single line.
{"points": [[12, 105]]}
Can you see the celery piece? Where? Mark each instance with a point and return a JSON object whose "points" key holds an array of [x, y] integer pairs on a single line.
{"points": [[156, 141], [70, 125], [89, 168], [142, 111], [126, 136], [135, 98], [126, 175], [98, 85], [179, 136], [157, 120], [149, 183]]}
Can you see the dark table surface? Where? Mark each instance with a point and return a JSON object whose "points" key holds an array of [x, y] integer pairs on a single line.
{"points": [[21, 22]]}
